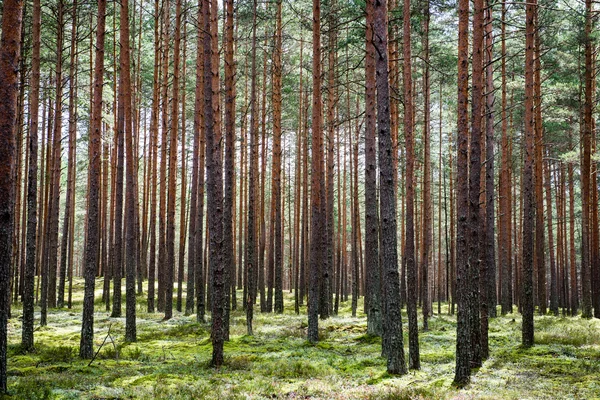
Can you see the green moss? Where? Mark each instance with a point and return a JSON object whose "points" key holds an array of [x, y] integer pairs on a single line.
{"points": [[171, 359]]}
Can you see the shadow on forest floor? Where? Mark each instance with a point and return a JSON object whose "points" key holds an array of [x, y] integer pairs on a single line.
{"points": [[170, 360]]}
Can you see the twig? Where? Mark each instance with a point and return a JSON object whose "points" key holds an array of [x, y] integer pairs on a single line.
{"points": [[100, 348]]}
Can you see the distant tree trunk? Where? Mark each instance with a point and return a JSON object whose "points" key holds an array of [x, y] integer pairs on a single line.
{"points": [[355, 216], [327, 273], [453, 224], [528, 197], [489, 279], [172, 185], [540, 251], [266, 298], [105, 235], [409, 249], [229, 199], [251, 253], [193, 229], [67, 233], [317, 240], [389, 253], [276, 230], [86, 349], [299, 192], [118, 245], [463, 343], [374, 293], [441, 177], [574, 302], [586, 289], [504, 200], [44, 248], [553, 267], [183, 208], [154, 157], [52, 231], [163, 262], [304, 251], [427, 207], [32, 180]]}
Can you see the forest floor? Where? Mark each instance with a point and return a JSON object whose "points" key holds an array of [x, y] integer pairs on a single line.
{"points": [[171, 358]]}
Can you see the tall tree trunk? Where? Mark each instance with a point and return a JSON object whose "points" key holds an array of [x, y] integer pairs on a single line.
{"points": [[528, 197], [476, 223], [229, 199], [86, 349], [553, 267], [251, 253], [327, 273], [574, 301], [32, 181], [586, 289], [389, 252], [504, 200], [374, 293], [52, 231], [183, 210], [489, 279], [163, 261], [118, 245], [131, 177], [463, 346], [214, 179], [276, 169], [318, 228], [540, 254], [355, 217], [154, 157], [427, 207], [10, 53], [172, 185], [409, 249], [67, 233]]}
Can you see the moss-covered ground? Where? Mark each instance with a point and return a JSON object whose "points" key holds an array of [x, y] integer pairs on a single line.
{"points": [[171, 358]]}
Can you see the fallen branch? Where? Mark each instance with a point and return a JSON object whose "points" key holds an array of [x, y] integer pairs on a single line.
{"points": [[100, 348]]}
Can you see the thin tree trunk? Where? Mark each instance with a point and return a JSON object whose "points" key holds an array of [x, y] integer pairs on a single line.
{"points": [[172, 185], [67, 233], [553, 267], [489, 278], [182, 218], [586, 242], [409, 249], [276, 168]]}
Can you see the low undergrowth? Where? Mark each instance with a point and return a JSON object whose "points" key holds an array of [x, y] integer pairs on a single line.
{"points": [[171, 360]]}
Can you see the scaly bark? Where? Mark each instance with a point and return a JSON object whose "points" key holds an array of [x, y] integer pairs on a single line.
{"points": [[86, 349]]}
